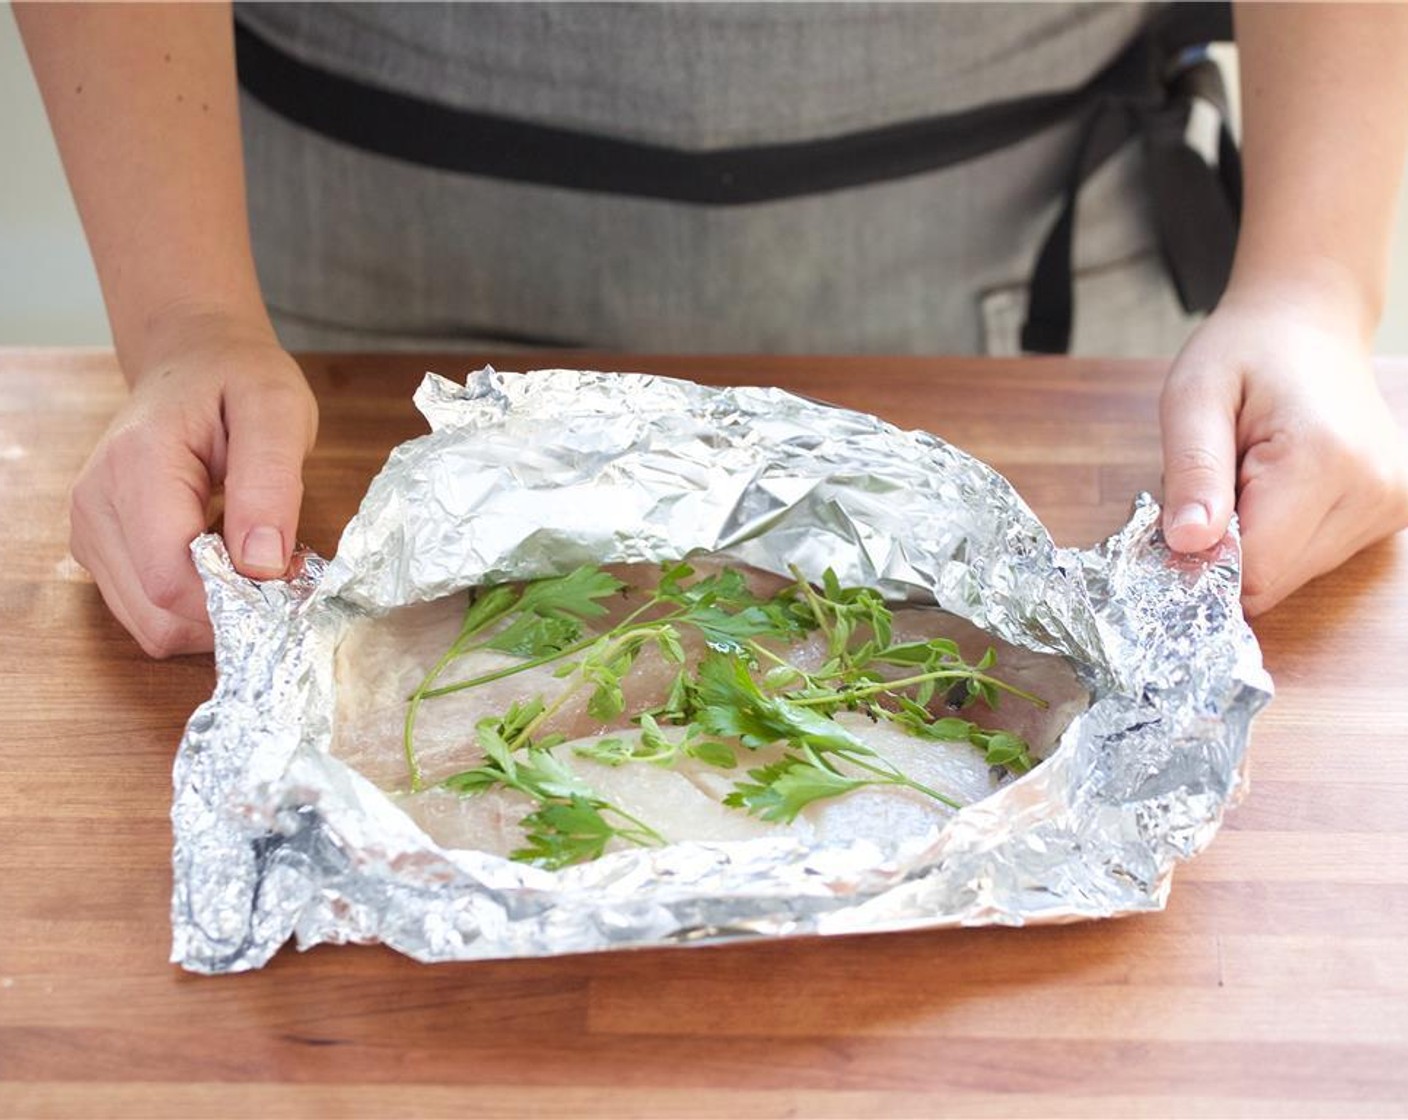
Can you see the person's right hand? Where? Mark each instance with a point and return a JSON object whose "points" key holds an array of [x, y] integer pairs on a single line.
{"points": [[215, 402]]}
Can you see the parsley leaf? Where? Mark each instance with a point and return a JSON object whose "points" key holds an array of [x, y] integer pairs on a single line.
{"points": [[570, 823], [735, 707], [565, 832], [574, 595], [531, 635], [781, 790]]}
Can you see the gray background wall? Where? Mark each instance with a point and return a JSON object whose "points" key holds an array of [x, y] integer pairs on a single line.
{"points": [[48, 291]]}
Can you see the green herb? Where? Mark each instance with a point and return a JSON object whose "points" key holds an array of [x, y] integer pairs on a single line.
{"points": [[654, 745], [738, 708], [571, 823], [550, 613], [1000, 748], [574, 831], [745, 694], [781, 790]]}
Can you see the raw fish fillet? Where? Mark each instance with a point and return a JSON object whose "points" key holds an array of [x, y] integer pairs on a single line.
{"points": [[381, 661]]}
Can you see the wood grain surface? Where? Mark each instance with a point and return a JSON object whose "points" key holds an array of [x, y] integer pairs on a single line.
{"points": [[1276, 984]]}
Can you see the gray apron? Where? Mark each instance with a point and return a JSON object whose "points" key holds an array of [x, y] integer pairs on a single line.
{"points": [[360, 250]]}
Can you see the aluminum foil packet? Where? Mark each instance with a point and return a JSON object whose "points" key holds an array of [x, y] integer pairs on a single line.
{"points": [[530, 475]]}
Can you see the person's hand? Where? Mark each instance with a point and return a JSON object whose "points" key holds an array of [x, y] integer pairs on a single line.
{"points": [[1273, 404], [216, 401]]}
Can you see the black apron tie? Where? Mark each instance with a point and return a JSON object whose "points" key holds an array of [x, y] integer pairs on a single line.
{"points": [[1150, 92]]}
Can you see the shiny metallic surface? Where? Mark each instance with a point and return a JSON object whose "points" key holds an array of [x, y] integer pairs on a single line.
{"points": [[530, 475]]}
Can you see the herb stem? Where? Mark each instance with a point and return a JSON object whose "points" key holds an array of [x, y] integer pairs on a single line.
{"points": [[408, 744], [895, 777], [609, 645], [626, 626], [525, 736], [877, 687], [641, 829], [808, 681], [511, 670], [818, 606], [471, 625], [421, 692]]}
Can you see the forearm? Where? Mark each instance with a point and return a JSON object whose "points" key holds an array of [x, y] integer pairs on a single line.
{"points": [[1325, 111], [143, 103]]}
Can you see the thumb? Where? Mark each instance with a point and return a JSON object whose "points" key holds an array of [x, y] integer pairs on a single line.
{"points": [[269, 427], [1198, 415]]}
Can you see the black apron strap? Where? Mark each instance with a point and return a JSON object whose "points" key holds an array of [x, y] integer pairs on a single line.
{"points": [[1195, 218], [1051, 301], [1149, 91]]}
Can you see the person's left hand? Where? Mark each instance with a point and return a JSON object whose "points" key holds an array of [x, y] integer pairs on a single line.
{"points": [[1272, 404]]}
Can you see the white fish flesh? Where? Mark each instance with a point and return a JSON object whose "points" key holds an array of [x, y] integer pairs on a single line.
{"points": [[381, 661]]}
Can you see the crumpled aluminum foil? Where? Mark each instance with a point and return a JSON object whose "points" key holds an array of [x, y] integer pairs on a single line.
{"points": [[529, 475]]}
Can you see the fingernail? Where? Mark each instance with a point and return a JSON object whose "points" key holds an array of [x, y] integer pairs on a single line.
{"points": [[264, 550], [1194, 513]]}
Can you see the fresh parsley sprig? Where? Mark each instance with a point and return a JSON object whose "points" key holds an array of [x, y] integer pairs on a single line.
{"points": [[550, 614], [571, 823], [736, 707]]}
